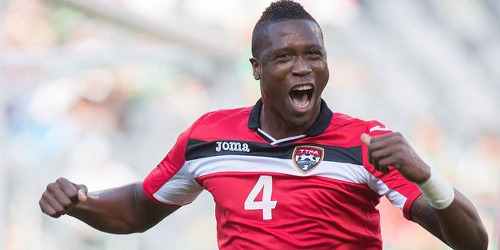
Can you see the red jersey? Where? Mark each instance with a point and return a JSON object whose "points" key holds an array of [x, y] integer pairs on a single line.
{"points": [[312, 191]]}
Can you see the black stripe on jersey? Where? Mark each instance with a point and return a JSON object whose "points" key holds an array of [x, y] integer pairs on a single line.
{"points": [[199, 149]]}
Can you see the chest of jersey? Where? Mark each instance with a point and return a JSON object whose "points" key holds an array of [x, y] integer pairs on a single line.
{"points": [[287, 190], [314, 191]]}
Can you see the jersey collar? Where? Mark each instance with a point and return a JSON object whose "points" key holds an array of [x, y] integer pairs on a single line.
{"points": [[318, 127]]}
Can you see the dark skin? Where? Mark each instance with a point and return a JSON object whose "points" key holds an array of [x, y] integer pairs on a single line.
{"points": [[293, 72], [293, 56], [119, 210], [458, 225]]}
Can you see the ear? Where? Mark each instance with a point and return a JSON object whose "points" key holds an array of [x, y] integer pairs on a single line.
{"points": [[255, 68]]}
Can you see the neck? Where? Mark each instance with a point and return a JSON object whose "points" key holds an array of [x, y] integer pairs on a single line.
{"points": [[279, 127]]}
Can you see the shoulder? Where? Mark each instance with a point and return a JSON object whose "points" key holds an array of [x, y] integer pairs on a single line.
{"points": [[220, 124], [223, 115], [345, 131], [343, 121]]}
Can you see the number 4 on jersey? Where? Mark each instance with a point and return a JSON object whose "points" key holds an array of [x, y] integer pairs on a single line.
{"points": [[264, 183]]}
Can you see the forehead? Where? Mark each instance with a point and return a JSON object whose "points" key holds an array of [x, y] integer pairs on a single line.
{"points": [[294, 32]]}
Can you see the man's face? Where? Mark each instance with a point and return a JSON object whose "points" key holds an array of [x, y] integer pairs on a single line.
{"points": [[293, 71]]}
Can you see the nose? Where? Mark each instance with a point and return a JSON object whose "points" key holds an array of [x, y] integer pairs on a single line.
{"points": [[301, 67]]}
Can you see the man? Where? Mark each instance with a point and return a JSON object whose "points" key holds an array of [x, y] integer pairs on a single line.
{"points": [[286, 173]]}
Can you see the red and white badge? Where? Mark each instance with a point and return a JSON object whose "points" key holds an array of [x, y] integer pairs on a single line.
{"points": [[306, 158]]}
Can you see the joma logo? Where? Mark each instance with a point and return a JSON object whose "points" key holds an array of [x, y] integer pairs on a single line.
{"points": [[231, 146]]}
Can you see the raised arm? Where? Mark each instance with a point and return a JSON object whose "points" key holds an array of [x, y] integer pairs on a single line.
{"points": [[452, 217], [118, 210]]}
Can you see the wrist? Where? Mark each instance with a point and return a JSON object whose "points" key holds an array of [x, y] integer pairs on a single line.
{"points": [[439, 193]]}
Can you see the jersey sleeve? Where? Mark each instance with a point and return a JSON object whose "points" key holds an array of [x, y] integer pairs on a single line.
{"points": [[398, 190], [170, 183]]}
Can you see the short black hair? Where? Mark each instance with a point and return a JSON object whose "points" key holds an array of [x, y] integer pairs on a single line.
{"points": [[282, 10]]}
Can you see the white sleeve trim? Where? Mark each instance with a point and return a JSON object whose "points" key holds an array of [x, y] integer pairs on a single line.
{"points": [[397, 199], [180, 190]]}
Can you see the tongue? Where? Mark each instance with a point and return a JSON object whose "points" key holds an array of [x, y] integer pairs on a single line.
{"points": [[300, 99]]}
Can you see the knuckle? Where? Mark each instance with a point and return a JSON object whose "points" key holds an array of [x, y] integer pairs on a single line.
{"points": [[401, 139], [52, 186], [61, 180], [72, 194], [396, 139], [45, 196]]}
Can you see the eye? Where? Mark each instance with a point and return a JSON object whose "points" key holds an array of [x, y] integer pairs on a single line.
{"points": [[283, 55], [314, 54]]}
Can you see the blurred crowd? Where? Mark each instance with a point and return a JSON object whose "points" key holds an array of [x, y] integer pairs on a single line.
{"points": [[98, 91]]}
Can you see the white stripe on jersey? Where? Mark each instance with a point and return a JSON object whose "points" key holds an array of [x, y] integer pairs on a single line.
{"points": [[240, 163], [183, 189]]}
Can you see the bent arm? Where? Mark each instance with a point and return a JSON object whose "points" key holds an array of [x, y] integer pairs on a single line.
{"points": [[121, 210], [458, 225], [451, 217]]}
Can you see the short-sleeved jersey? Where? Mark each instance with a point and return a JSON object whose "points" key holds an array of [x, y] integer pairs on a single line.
{"points": [[313, 191]]}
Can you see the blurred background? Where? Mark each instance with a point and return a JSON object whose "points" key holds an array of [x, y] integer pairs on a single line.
{"points": [[98, 90]]}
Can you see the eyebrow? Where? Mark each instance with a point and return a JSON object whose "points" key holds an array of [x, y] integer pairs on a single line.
{"points": [[288, 48]]}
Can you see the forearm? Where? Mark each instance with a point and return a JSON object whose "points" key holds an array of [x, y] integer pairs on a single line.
{"points": [[461, 226], [109, 210], [458, 225]]}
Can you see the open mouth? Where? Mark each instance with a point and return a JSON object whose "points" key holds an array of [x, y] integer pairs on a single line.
{"points": [[301, 95]]}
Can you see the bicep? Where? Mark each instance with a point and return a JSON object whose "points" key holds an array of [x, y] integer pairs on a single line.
{"points": [[149, 213]]}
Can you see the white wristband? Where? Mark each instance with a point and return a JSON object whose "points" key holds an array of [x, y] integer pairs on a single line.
{"points": [[440, 193]]}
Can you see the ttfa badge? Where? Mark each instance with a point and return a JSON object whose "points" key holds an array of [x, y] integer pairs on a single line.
{"points": [[306, 158]]}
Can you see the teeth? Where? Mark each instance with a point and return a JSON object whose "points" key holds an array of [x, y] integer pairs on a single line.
{"points": [[302, 88]]}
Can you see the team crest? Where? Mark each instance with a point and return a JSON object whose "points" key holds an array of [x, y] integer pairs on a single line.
{"points": [[306, 158]]}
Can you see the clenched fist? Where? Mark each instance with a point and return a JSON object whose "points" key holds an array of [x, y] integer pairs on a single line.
{"points": [[61, 196], [393, 150]]}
